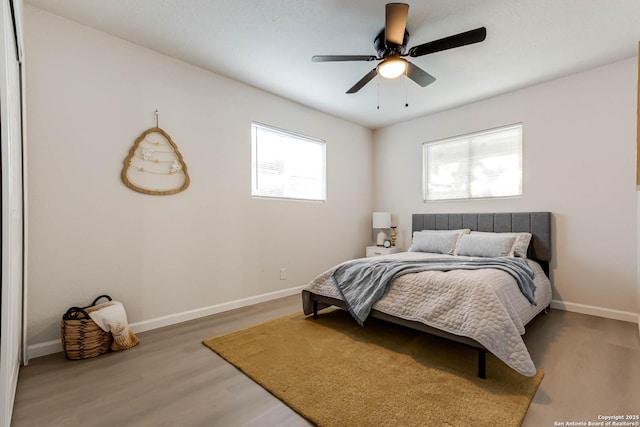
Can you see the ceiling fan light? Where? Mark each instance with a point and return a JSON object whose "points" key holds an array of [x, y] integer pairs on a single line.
{"points": [[391, 68]]}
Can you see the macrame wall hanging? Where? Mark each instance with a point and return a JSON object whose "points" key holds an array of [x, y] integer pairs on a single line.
{"points": [[154, 164]]}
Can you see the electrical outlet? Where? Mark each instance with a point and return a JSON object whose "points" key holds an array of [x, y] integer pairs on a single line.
{"points": [[283, 273]]}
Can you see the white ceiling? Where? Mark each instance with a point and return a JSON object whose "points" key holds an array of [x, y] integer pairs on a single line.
{"points": [[269, 44]]}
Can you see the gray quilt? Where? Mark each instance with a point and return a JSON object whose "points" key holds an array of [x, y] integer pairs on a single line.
{"points": [[362, 282], [485, 304]]}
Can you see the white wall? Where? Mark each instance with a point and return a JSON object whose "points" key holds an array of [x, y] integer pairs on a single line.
{"points": [[579, 163], [90, 95]]}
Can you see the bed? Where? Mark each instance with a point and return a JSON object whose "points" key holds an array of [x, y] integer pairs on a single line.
{"points": [[484, 307]]}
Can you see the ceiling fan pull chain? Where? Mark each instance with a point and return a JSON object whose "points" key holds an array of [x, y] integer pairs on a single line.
{"points": [[378, 84], [406, 94]]}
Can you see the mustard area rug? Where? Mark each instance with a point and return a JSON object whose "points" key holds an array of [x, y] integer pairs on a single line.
{"points": [[336, 373]]}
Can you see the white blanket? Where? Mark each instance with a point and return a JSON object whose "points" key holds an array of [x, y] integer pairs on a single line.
{"points": [[480, 304], [111, 317]]}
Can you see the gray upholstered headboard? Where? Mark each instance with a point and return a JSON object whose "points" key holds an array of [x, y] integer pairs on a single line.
{"points": [[536, 223]]}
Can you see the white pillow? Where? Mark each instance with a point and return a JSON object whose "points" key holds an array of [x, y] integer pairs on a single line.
{"points": [[436, 241], [521, 244], [486, 245]]}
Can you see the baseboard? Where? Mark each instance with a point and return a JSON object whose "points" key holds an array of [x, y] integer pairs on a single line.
{"points": [[43, 348], [172, 319], [55, 346], [608, 313]]}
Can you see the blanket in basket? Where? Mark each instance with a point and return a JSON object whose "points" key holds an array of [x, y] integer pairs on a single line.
{"points": [[111, 317]]}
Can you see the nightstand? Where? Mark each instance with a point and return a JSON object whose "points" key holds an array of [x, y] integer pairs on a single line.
{"points": [[379, 250]]}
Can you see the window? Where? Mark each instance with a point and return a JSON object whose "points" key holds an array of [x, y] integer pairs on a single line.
{"points": [[479, 165], [286, 165]]}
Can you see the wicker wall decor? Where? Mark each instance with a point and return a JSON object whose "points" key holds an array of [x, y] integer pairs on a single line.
{"points": [[154, 165]]}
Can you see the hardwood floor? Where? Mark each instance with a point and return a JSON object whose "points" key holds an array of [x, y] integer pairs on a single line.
{"points": [[592, 367]]}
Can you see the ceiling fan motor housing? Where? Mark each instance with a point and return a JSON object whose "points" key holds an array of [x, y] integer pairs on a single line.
{"points": [[385, 48]]}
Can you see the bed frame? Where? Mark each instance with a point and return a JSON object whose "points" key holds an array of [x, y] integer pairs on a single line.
{"points": [[536, 223]]}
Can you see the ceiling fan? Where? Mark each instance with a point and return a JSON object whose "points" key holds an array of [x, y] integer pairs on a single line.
{"points": [[391, 43]]}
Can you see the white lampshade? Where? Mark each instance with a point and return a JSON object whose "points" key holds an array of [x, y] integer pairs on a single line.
{"points": [[381, 220]]}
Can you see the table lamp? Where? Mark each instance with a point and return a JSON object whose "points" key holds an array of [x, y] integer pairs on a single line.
{"points": [[381, 221]]}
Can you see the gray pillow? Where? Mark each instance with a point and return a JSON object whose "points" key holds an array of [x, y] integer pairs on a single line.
{"points": [[435, 241], [485, 245], [521, 244]]}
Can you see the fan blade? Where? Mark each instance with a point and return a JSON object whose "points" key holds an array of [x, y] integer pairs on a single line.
{"points": [[395, 22], [333, 58], [462, 39], [363, 81], [418, 75]]}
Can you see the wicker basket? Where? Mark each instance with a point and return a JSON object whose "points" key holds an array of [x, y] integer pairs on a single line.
{"points": [[81, 336]]}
